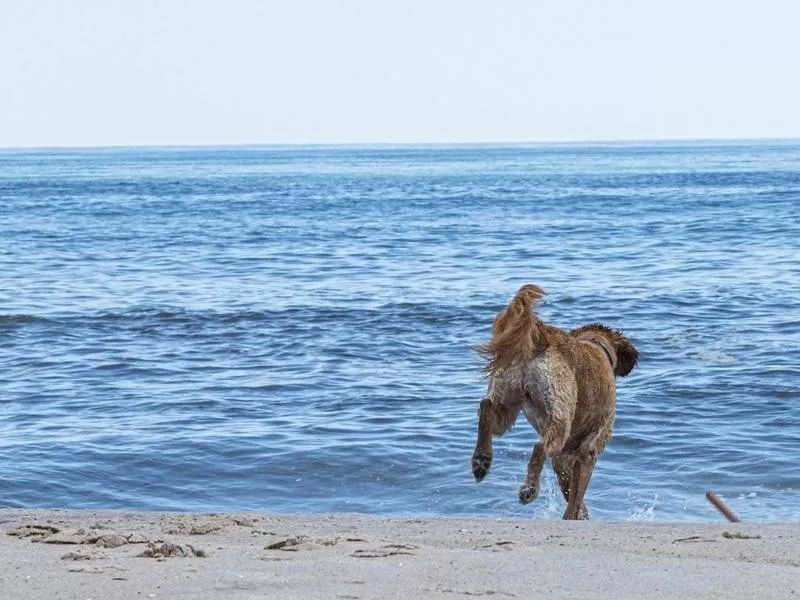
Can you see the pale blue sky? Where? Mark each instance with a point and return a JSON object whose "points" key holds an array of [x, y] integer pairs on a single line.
{"points": [[141, 72]]}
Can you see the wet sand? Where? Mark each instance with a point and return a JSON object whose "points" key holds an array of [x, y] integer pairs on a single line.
{"points": [[115, 555]]}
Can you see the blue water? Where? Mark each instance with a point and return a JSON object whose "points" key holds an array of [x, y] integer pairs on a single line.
{"points": [[291, 329]]}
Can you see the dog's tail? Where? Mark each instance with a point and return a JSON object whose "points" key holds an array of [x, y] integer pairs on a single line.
{"points": [[516, 333]]}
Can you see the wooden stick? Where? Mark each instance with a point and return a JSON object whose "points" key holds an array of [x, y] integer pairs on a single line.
{"points": [[720, 506]]}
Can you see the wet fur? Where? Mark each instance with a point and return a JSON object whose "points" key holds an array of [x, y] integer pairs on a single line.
{"points": [[564, 382]]}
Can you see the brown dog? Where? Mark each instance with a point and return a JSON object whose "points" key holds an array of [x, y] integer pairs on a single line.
{"points": [[565, 384]]}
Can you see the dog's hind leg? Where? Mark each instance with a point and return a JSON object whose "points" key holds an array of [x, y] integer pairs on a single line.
{"points": [[530, 489], [549, 444], [482, 457], [562, 466], [494, 419]]}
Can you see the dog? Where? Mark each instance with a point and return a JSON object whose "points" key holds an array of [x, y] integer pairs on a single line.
{"points": [[565, 384]]}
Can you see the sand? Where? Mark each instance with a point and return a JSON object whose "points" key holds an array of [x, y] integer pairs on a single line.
{"points": [[96, 555]]}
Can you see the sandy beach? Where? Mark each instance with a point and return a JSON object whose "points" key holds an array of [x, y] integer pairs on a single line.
{"points": [[109, 554]]}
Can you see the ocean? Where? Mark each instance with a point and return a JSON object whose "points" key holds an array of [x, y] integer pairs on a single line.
{"points": [[292, 329]]}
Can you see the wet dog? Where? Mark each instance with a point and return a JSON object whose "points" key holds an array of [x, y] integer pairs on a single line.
{"points": [[565, 384]]}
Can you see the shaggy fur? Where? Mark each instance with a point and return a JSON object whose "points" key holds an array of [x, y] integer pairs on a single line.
{"points": [[563, 382]]}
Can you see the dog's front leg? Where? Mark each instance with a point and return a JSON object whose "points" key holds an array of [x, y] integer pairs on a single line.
{"points": [[530, 489], [562, 465], [582, 470]]}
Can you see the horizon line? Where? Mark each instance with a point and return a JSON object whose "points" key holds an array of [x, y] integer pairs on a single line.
{"points": [[413, 144]]}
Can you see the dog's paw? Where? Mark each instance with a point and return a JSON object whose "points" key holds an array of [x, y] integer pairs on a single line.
{"points": [[583, 515], [528, 493], [480, 466]]}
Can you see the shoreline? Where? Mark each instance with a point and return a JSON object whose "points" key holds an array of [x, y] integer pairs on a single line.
{"points": [[84, 554]]}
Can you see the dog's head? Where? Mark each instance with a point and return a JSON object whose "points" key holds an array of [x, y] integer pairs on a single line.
{"points": [[626, 353]]}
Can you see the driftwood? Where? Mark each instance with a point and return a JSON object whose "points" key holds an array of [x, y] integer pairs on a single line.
{"points": [[720, 506]]}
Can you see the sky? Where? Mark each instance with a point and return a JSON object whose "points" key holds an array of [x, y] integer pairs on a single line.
{"points": [[172, 72]]}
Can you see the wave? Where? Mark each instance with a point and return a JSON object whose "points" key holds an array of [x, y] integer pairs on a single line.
{"points": [[425, 312]]}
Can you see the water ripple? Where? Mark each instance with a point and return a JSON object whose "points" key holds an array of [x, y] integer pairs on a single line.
{"points": [[293, 329]]}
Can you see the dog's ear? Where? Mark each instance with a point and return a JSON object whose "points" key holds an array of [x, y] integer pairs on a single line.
{"points": [[627, 356]]}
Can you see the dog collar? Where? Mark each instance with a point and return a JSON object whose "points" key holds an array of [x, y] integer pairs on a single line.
{"points": [[605, 348]]}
